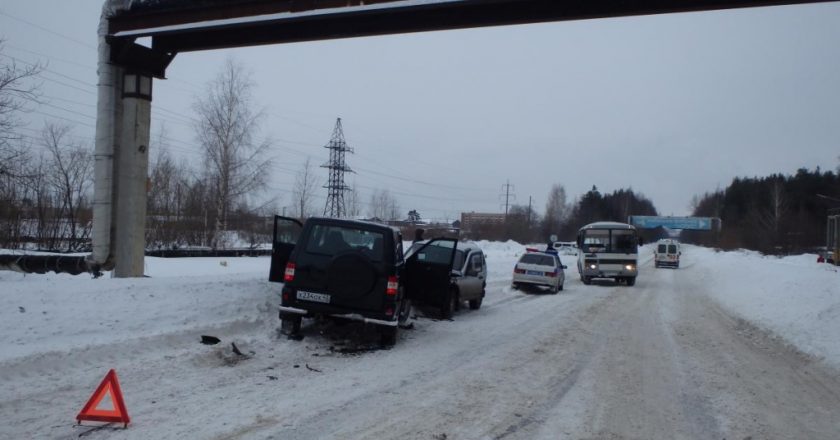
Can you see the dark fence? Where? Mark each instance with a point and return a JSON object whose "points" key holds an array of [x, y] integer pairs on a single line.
{"points": [[72, 264], [77, 264], [182, 253]]}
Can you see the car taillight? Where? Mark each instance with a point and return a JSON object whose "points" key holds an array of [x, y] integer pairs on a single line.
{"points": [[518, 270], [289, 275], [393, 285], [551, 274]]}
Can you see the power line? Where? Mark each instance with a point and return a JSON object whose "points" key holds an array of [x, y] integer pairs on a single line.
{"points": [[74, 63], [50, 31], [46, 69], [63, 118]]}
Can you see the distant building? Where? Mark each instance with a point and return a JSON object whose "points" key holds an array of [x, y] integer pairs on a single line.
{"points": [[472, 222]]}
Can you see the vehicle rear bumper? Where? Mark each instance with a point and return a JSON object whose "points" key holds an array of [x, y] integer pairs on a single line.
{"points": [[672, 263], [536, 281], [351, 316]]}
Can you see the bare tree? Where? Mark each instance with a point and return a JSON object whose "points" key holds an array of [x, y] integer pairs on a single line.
{"points": [[165, 179], [227, 129], [70, 176], [769, 217], [383, 205], [778, 205], [163, 176], [351, 203], [556, 210], [17, 88], [304, 190]]}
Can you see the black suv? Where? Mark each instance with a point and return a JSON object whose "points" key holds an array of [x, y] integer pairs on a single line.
{"points": [[350, 269]]}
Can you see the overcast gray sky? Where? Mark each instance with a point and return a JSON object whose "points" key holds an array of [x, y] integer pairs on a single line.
{"points": [[671, 105]]}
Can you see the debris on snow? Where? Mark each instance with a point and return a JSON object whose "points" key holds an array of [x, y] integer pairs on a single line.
{"points": [[210, 340]]}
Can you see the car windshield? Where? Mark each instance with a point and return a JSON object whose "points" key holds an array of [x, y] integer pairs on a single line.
{"points": [[333, 239]]}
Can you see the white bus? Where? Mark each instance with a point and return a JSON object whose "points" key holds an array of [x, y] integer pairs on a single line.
{"points": [[608, 250]]}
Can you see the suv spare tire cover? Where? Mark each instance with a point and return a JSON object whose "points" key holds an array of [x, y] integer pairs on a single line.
{"points": [[351, 275]]}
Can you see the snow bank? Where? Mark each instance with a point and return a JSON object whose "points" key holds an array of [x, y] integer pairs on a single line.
{"points": [[60, 312], [794, 297]]}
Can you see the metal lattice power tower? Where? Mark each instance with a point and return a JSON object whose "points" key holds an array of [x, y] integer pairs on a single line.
{"points": [[335, 186]]}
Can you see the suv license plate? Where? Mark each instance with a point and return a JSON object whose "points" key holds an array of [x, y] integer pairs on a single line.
{"points": [[312, 296], [535, 272]]}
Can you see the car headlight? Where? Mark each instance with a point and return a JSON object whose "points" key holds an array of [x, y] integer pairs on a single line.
{"points": [[593, 266], [630, 267]]}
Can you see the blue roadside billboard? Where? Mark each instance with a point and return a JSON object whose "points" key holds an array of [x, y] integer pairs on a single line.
{"points": [[692, 223]]}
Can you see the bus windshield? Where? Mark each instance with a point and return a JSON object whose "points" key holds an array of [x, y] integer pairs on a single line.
{"points": [[620, 241]]}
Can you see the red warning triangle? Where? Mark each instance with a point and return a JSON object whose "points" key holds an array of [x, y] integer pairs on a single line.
{"points": [[110, 387]]}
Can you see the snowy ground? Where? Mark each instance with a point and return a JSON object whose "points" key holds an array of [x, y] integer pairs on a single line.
{"points": [[700, 352]]}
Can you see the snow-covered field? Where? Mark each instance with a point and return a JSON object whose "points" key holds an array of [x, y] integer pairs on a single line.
{"points": [[60, 334]]}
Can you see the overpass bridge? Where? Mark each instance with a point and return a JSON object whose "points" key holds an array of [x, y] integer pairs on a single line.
{"points": [[126, 70]]}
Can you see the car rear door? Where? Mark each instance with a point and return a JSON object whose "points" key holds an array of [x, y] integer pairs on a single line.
{"points": [[286, 233], [428, 270]]}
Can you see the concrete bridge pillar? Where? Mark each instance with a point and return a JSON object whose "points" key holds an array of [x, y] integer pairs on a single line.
{"points": [[131, 169]]}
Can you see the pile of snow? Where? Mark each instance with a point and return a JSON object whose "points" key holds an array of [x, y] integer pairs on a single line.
{"points": [[793, 297], [61, 312]]}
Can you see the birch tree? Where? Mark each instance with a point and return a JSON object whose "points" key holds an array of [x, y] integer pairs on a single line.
{"points": [[227, 126], [556, 211], [304, 189]]}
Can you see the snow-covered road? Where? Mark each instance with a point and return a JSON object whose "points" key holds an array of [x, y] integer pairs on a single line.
{"points": [[662, 359]]}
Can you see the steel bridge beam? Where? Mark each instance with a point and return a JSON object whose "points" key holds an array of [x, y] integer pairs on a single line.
{"points": [[236, 23]]}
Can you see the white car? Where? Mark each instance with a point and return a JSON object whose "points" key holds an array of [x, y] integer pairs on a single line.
{"points": [[539, 269], [566, 247]]}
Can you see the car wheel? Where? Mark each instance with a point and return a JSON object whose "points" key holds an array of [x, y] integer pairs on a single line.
{"points": [[514, 286], [387, 336], [475, 304], [447, 309], [405, 311], [560, 287], [586, 280], [553, 290], [290, 325], [631, 281]]}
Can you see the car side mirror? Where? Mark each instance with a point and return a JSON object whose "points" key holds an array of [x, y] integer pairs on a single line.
{"points": [[564, 266]]}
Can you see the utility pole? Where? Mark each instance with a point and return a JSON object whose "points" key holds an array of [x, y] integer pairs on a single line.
{"points": [[335, 186], [508, 196]]}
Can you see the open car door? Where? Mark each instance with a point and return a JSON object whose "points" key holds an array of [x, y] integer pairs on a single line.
{"points": [[428, 270], [286, 233]]}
